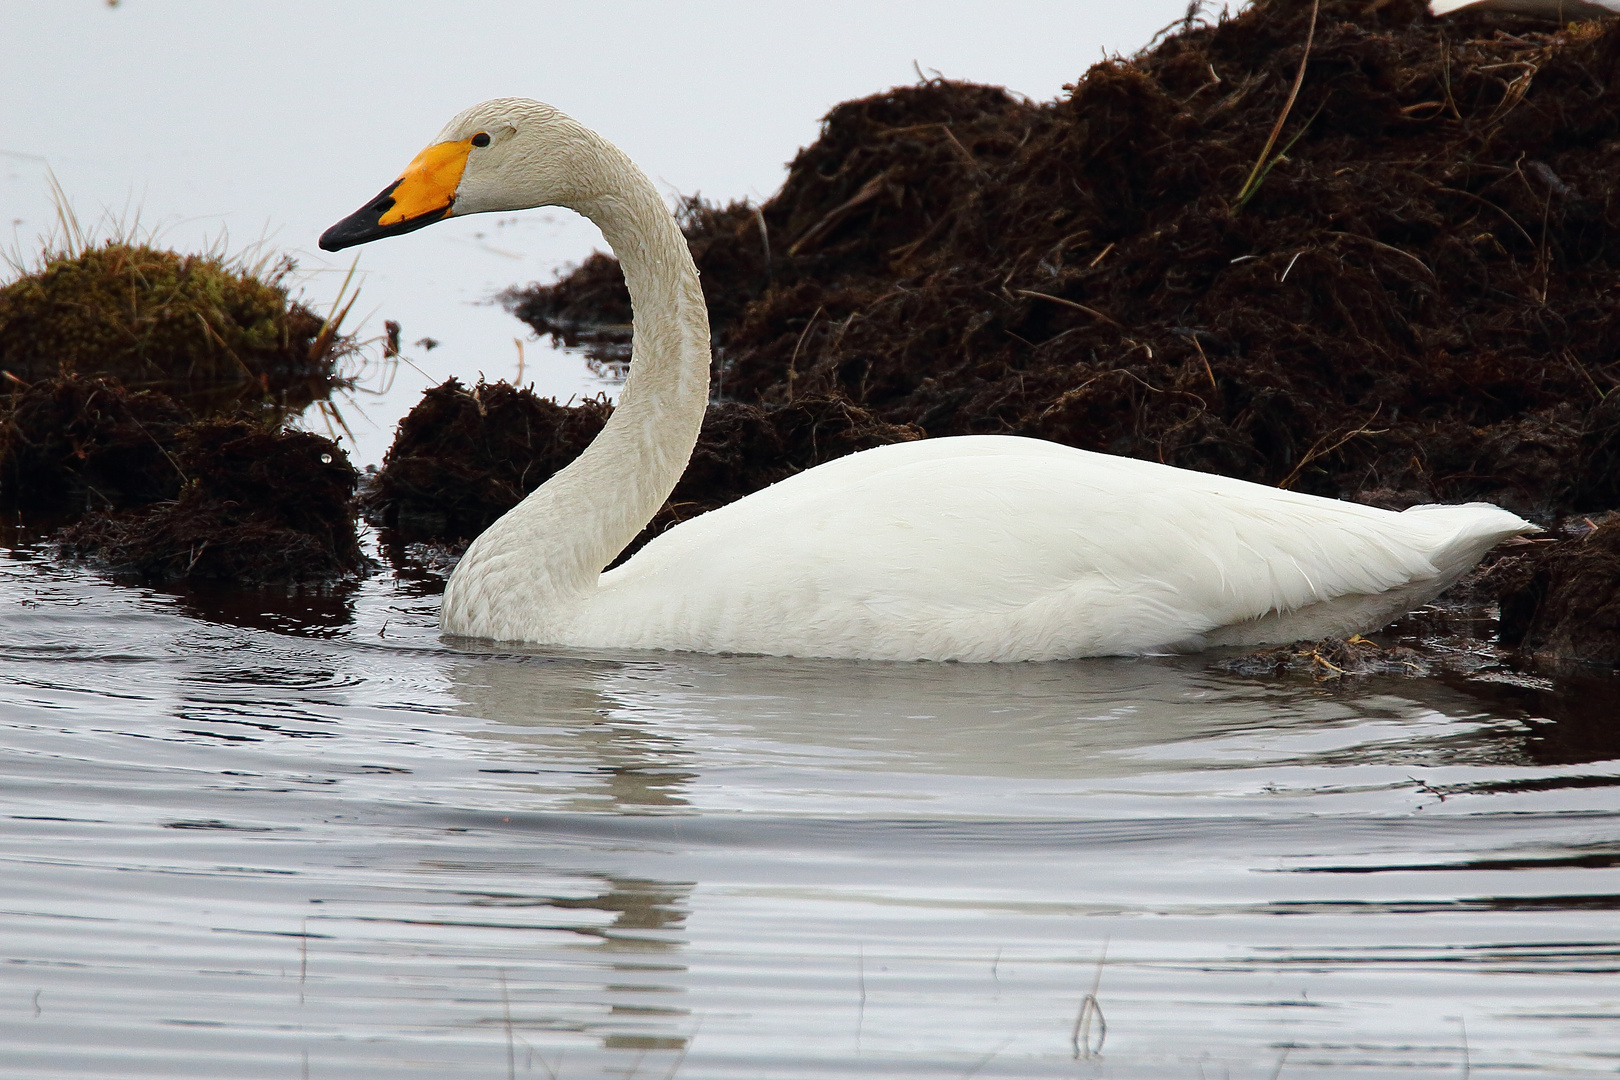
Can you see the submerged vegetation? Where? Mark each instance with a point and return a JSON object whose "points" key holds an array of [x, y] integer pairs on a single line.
{"points": [[151, 390]]}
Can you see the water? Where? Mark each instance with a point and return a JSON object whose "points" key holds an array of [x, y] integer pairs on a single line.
{"points": [[253, 836]]}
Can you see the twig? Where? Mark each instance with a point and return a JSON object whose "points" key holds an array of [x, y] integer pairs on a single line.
{"points": [[965, 152], [1207, 369], [1093, 312], [1386, 247], [1257, 174], [1313, 453], [1080, 1037], [792, 361], [870, 190], [1480, 199], [764, 241]]}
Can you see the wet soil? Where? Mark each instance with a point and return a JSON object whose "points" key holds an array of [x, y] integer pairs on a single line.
{"points": [[464, 456], [258, 506], [149, 391]]}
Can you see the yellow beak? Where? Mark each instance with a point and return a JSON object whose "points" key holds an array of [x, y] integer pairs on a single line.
{"points": [[424, 193]]}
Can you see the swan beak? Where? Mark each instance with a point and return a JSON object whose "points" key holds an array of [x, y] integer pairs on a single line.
{"points": [[423, 194]]}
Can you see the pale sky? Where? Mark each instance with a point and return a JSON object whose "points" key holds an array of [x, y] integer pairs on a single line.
{"points": [[274, 119]]}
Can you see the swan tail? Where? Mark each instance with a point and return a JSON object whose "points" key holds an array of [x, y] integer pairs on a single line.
{"points": [[1474, 529]]}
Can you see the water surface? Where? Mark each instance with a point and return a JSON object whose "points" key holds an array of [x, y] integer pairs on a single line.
{"points": [[258, 837]]}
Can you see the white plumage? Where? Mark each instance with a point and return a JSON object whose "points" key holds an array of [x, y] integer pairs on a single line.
{"points": [[1000, 548], [982, 548], [1565, 10]]}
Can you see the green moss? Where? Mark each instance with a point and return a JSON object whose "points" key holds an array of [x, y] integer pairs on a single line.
{"points": [[203, 329]]}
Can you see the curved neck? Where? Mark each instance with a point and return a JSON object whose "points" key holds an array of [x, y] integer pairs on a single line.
{"points": [[552, 547], [627, 472]]}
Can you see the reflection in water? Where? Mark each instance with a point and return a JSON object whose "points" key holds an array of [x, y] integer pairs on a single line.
{"points": [[1571, 723], [638, 716], [540, 705], [654, 865], [315, 611]]}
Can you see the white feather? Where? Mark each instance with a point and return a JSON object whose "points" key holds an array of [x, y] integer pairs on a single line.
{"points": [[979, 548], [1552, 9]]}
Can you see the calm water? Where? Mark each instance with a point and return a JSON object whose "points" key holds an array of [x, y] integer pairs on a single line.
{"points": [[270, 838]]}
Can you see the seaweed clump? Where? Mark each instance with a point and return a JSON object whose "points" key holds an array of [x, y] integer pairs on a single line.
{"points": [[464, 456], [1420, 302], [72, 443]]}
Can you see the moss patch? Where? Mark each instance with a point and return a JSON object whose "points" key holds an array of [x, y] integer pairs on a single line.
{"points": [[206, 332]]}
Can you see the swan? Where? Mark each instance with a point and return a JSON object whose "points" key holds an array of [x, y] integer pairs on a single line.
{"points": [[1551, 9], [973, 548]]}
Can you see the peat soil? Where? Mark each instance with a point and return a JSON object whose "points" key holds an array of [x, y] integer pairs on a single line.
{"points": [[144, 401], [464, 456], [1411, 295]]}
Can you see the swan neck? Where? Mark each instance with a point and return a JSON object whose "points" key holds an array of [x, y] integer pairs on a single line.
{"points": [[532, 572], [630, 469]]}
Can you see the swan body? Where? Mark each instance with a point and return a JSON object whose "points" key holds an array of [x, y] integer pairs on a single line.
{"points": [[978, 548], [1563, 10]]}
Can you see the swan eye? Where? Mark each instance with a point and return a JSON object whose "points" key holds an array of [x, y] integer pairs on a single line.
{"points": [[481, 139]]}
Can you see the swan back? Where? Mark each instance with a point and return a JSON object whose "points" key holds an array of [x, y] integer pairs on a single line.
{"points": [[1002, 548]]}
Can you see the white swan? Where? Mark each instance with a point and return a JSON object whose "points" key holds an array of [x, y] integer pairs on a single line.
{"points": [[974, 548], [1563, 10]]}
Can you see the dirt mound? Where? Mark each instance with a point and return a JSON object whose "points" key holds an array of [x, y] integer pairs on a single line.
{"points": [[148, 389], [463, 457], [258, 506], [1420, 301], [70, 444], [210, 333], [1562, 601]]}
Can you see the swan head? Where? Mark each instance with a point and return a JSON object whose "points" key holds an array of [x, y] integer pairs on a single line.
{"points": [[505, 154]]}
